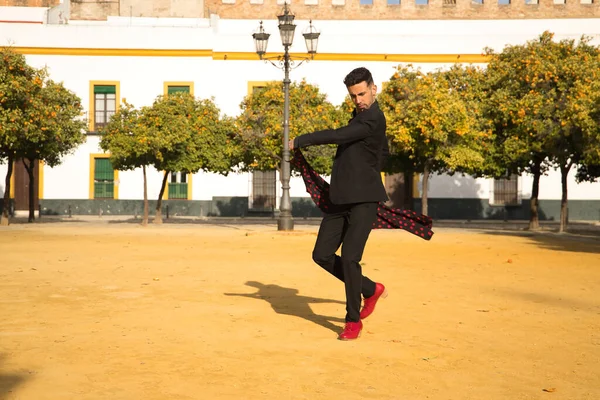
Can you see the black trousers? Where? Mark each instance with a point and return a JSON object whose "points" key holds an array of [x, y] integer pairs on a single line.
{"points": [[348, 226]]}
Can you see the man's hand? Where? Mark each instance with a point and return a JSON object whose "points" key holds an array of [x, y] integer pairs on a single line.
{"points": [[291, 144]]}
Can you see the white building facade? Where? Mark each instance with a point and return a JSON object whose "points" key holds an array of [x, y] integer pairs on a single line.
{"points": [[139, 58]]}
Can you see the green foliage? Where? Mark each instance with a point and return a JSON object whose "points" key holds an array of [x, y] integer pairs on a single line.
{"points": [[432, 120], [19, 82], [260, 125], [176, 133], [39, 118], [55, 126], [126, 139], [588, 173], [544, 100]]}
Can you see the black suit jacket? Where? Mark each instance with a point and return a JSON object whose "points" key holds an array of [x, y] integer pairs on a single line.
{"points": [[361, 153]]}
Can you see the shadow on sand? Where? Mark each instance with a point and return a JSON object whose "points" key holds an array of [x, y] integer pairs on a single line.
{"points": [[9, 381], [287, 301], [557, 241]]}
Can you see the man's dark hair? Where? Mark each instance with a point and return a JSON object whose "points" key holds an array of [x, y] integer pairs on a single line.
{"points": [[357, 76]]}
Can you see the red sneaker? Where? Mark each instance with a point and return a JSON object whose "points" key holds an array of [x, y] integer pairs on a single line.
{"points": [[351, 331], [370, 302]]}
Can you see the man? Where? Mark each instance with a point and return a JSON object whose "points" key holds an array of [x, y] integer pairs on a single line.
{"points": [[355, 190]]}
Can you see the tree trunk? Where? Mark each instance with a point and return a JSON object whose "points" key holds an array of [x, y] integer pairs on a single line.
{"points": [[564, 211], [424, 207], [534, 219], [158, 217], [30, 171], [6, 205], [145, 217], [408, 190]]}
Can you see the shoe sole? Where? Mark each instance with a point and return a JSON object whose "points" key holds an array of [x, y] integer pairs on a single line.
{"points": [[383, 296], [349, 340]]}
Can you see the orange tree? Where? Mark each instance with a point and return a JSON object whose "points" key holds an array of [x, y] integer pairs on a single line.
{"points": [[40, 118], [432, 126], [178, 133], [18, 81], [589, 168], [128, 142], [54, 128], [543, 102], [260, 125]]}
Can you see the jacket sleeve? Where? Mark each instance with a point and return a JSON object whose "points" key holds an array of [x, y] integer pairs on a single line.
{"points": [[357, 130], [385, 154]]}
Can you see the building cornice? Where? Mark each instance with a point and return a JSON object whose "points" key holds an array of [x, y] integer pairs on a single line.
{"points": [[249, 56]]}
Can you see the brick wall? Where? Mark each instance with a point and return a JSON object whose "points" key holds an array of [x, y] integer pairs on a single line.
{"points": [[163, 8], [323, 9], [99, 10], [29, 3], [436, 9], [93, 11]]}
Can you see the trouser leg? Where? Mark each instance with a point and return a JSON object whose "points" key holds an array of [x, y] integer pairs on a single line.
{"points": [[359, 224], [331, 234]]}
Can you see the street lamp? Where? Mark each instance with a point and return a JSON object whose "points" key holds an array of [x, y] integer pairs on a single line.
{"points": [[286, 62]]}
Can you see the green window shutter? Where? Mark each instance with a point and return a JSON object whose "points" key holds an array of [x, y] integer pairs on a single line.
{"points": [[178, 191], [104, 179], [178, 89], [104, 169], [105, 89]]}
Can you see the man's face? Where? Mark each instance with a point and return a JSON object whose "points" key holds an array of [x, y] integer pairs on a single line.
{"points": [[362, 95]]}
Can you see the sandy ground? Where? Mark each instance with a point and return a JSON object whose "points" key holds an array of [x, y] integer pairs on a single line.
{"points": [[118, 311]]}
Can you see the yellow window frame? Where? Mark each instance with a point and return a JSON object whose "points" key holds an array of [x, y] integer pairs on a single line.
{"points": [[189, 188], [93, 157], [92, 109], [177, 83]]}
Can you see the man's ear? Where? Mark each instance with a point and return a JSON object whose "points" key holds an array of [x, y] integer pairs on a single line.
{"points": [[374, 89]]}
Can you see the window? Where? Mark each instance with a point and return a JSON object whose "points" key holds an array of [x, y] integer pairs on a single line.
{"points": [[179, 183], [264, 187], [421, 2], [528, 2], [104, 102], [105, 105], [393, 2], [178, 186], [256, 86], [366, 2], [506, 191], [503, 2], [257, 89], [103, 178], [264, 183], [178, 87]]}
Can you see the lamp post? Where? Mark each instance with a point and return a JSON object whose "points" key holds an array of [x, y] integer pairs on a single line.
{"points": [[286, 62]]}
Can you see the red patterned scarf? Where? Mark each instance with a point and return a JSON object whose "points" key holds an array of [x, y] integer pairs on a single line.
{"points": [[387, 218]]}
